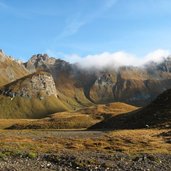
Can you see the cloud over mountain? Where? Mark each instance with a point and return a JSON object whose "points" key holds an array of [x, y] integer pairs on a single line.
{"points": [[116, 59]]}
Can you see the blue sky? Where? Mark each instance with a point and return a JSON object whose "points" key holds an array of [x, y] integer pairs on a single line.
{"points": [[84, 27]]}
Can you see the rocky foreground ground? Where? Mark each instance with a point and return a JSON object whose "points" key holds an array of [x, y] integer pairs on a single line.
{"points": [[87, 161]]}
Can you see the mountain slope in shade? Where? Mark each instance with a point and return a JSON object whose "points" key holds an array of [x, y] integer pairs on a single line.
{"points": [[157, 114], [10, 70]]}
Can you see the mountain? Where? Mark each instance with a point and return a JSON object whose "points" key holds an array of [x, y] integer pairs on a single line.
{"points": [[155, 115], [139, 86], [70, 87], [133, 85], [10, 69], [33, 96]]}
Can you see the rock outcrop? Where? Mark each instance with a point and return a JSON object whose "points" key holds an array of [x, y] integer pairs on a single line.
{"points": [[33, 96], [36, 85]]}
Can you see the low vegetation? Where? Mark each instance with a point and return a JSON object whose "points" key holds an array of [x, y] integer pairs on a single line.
{"points": [[42, 141], [83, 118], [59, 121]]}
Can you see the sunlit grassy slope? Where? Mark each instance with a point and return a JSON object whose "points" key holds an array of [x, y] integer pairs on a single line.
{"points": [[36, 103], [10, 70], [82, 118], [21, 107]]}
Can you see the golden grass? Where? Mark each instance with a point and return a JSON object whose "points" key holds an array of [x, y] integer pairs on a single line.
{"points": [[11, 66], [127, 141], [63, 120], [137, 141], [111, 109], [25, 108], [5, 123], [83, 118]]}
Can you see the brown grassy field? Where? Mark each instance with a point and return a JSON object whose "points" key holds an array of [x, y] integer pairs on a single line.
{"points": [[43, 135], [53, 141], [108, 110], [62, 120], [5, 123], [83, 118]]}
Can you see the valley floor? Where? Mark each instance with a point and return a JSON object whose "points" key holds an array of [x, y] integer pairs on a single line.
{"points": [[143, 149]]}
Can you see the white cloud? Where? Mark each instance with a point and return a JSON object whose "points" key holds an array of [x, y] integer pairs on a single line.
{"points": [[116, 59], [157, 55]]}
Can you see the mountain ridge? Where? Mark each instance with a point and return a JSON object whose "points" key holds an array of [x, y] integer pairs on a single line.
{"points": [[78, 88]]}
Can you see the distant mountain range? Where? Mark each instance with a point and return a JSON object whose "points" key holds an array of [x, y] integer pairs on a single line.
{"points": [[45, 85]]}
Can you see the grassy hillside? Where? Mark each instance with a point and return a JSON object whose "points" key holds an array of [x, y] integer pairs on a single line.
{"points": [[107, 110], [83, 118], [10, 69], [37, 95], [21, 107], [33, 96], [155, 115]]}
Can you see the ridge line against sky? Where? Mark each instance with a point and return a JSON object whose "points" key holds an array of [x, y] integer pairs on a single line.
{"points": [[84, 27]]}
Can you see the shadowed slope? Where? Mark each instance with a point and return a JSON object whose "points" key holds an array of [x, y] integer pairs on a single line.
{"points": [[156, 114]]}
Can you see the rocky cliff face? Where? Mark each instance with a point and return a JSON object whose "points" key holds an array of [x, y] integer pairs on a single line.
{"points": [[38, 85], [139, 86], [39, 62], [71, 82], [102, 89], [133, 85]]}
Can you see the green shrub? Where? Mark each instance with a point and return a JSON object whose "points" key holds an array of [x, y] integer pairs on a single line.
{"points": [[32, 155]]}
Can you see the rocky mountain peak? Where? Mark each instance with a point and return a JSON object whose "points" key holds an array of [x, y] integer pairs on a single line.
{"points": [[39, 57]]}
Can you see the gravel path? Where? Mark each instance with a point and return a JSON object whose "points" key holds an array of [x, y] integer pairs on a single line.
{"points": [[54, 133]]}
